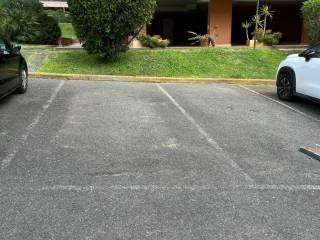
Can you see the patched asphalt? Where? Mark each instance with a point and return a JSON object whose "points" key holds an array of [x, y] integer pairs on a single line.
{"points": [[108, 160]]}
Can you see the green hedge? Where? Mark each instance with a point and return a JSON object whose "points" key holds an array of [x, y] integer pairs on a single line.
{"points": [[311, 14], [103, 26], [25, 21]]}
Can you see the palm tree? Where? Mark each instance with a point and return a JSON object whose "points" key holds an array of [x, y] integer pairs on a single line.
{"points": [[266, 13], [246, 25]]}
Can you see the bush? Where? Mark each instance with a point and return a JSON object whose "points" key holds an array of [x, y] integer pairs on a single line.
{"points": [[103, 26], [25, 21], [26, 5], [48, 30], [311, 15], [153, 41], [270, 38]]}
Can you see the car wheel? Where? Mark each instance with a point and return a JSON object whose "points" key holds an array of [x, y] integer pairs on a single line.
{"points": [[23, 79], [285, 86]]}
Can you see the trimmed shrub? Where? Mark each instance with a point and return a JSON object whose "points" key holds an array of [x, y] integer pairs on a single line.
{"points": [[47, 29], [153, 41], [103, 26], [311, 15]]}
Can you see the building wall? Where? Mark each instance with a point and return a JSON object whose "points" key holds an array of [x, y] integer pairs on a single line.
{"points": [[220, 21]]}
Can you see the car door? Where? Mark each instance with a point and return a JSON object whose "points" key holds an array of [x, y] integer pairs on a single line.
{"points": [[9, 68], [308, 79], [3, 74]]}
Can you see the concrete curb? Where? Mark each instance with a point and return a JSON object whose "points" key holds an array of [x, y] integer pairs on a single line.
{"points": [[146, 79]]}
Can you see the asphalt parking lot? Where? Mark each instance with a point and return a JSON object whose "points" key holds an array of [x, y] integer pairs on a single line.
{"points": [[109, 160]]}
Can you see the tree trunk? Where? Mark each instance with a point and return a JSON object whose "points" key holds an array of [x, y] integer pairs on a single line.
{"points": [[265, 25]]}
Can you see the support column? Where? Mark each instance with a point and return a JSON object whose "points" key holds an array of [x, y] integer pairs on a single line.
{"points": [[304, 35], [220, 21]]}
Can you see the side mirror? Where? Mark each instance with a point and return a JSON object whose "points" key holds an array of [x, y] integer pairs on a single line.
{"points": [[308, 55]]}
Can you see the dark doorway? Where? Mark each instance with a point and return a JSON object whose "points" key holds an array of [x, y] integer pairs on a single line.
{"points": [[287, 19], [175, 25]]}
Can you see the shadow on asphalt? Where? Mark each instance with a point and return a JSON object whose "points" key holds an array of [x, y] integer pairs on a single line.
{"points": [[303, 105]]}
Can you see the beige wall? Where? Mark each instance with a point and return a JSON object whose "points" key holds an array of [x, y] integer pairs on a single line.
{"points": [[220, 17]]}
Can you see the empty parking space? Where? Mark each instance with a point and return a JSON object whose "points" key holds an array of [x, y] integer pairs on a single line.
{"points": [[106, 160]]}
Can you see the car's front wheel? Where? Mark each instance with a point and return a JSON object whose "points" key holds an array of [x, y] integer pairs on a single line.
{"points": [[285, 86], [23, 79]]}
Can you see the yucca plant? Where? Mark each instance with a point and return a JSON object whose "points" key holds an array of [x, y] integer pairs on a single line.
{"points": [[246, 25], [266, 13], [197, 37], [257, 18]]}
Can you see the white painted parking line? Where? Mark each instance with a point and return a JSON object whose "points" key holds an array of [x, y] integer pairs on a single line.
{"points": [[209, 139], [152, 188], [281, 103], [21, 141]]}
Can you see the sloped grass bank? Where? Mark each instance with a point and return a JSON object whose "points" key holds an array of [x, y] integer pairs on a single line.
{"points": [[212, 63]]}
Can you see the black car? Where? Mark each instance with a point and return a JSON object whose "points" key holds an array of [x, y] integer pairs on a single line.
{"points": [[13, 69]]}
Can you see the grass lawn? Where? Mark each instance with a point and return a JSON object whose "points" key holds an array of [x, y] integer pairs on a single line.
{"points": [[213, 62], [67, 30]]}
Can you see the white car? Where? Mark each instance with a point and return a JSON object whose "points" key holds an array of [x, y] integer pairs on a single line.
{"points": [[299, 75]]}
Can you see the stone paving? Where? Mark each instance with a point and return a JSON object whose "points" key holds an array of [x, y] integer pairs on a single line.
{"points": [[35, 57]]}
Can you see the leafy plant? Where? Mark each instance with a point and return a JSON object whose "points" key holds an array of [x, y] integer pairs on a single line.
{"points": [[153, 41], [26, 5], [266, 13], [197, 37], [311, 15], [246, 25], [103, 26], [17, 25], [270, 38], [48, 30], [257, 18], [25, 21]]}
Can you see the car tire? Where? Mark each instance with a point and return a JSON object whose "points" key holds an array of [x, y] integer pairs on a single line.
{"points": [[285, 86], [23, 79]]}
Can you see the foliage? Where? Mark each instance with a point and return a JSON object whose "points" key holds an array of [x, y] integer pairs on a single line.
{"points": [[246, 25], [25, 21], [266, 13], [263, 34], [17, 25], [257, 18], [103, 26], [26, 5], [153, 41], [59, 15], [311, 15], [198, 38], [48, 29], [270, 38]]}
